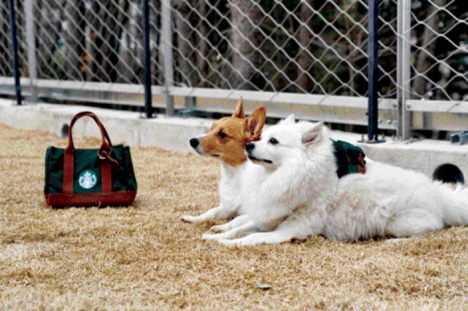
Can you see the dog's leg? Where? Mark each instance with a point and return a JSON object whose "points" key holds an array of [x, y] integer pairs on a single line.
{"points": [[293, 227], [272, 237], [284, 233], [219, 212], [236, 222], [233, 233], [413, 222]]}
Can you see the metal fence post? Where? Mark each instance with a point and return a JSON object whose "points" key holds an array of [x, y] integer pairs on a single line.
{"points": [[373, 70], [31, 40], [403, 68], [14, 41], [167, 53], [147, 61]]}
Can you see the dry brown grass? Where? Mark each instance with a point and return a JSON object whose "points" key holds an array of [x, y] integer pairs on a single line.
{"points": [[145, 258]]}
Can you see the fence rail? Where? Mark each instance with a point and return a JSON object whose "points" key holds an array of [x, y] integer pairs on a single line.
{"points": [[304, 56]]}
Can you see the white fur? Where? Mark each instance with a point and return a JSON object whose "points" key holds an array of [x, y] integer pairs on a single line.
{"points": [[234, 185], [299, 158], [390, 201], [302, 196]]}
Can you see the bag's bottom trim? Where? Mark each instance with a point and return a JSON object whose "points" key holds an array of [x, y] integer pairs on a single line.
{"points": [[119, 198]]}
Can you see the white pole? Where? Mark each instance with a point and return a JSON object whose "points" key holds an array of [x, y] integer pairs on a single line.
{"points": [[31, 40], [403, 68], [166, 34]]}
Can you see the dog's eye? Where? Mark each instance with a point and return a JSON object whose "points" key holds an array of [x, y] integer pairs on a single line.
{"points": [[273, 141], [222, 134]]}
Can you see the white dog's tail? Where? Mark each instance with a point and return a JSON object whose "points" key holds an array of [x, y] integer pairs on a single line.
{"points": [[456, 214]]}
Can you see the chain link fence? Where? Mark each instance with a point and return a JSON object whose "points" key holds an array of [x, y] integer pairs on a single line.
{"points": [[293, 51], [439, 38]]}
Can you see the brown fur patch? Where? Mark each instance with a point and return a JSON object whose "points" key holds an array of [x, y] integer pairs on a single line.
{"points": [[228, 136], [226, 139]]}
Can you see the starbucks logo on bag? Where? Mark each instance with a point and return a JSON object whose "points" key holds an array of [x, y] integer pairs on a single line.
{"points": [[87, 179]]}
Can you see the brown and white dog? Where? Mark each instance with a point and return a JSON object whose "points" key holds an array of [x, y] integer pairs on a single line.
{"points": [[227, 140]]}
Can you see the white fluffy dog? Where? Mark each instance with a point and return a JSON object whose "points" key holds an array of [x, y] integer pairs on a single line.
{"points": [[302, 195]]}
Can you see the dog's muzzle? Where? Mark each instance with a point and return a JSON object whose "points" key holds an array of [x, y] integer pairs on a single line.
{"points": [[194, 142], [249, 149], [260, 160]]}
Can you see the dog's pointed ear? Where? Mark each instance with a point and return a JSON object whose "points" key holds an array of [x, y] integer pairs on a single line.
{"points": [[314, 135], [254, 124], [289, 120], [239, 113]]}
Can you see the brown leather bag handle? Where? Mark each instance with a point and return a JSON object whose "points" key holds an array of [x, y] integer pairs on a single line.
{"points": [[104, 150], [104, 153]]}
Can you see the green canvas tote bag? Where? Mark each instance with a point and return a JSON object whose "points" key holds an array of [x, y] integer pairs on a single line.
{"points": [[89, 177]]}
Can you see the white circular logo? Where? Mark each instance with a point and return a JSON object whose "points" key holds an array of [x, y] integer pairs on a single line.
{"points": [[87, 179]]}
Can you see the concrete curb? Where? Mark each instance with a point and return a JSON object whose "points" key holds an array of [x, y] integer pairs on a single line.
{"points": [[174, 133], [124, 126]]}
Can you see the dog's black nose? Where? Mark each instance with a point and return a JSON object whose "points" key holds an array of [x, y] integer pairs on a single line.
{"points": [[249, 147], [194, 142]]}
